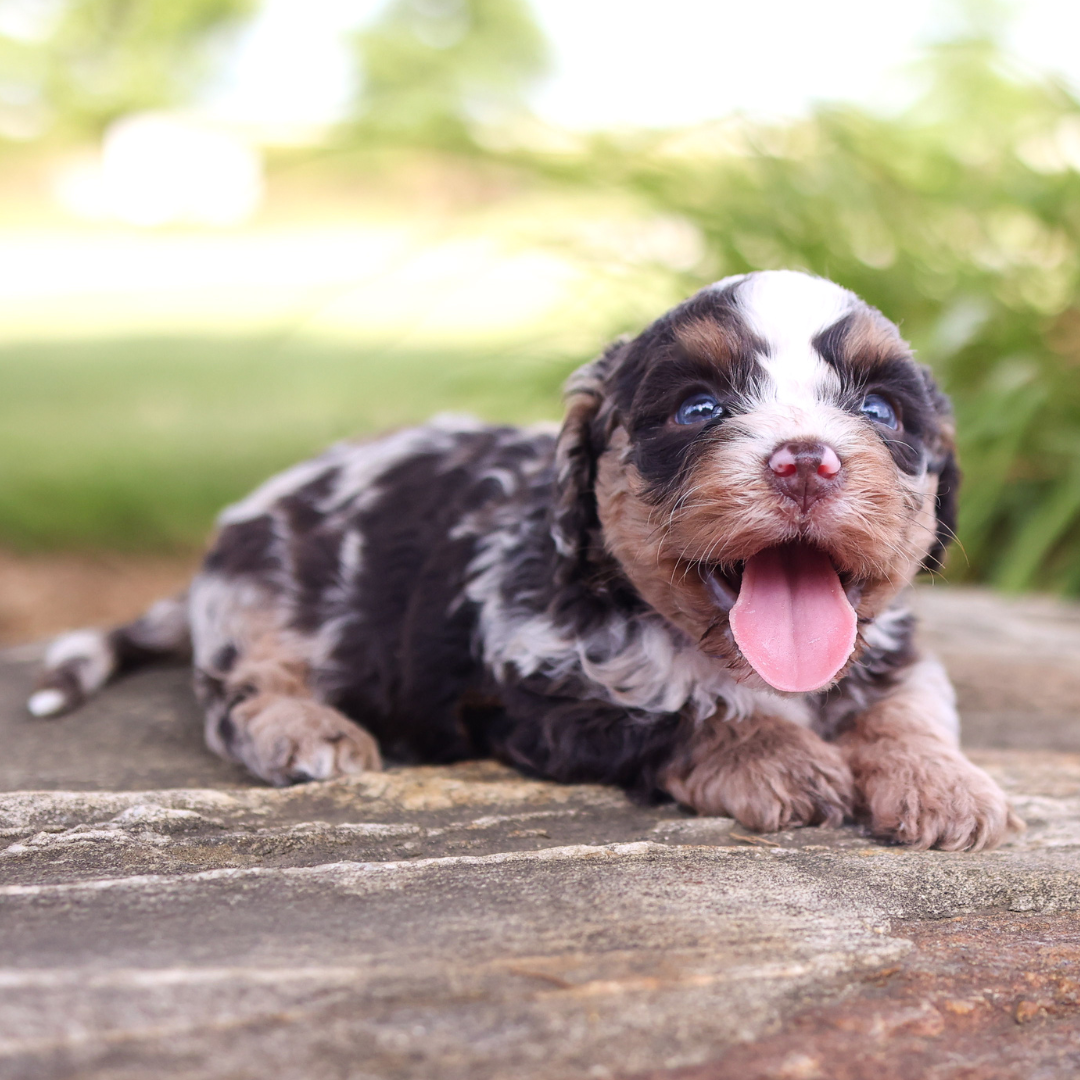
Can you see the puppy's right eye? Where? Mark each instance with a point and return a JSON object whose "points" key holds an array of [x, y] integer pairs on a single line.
{"points": [[698, 408]]}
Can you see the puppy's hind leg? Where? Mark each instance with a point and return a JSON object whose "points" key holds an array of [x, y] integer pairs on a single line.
{"points": [[253, 679]]}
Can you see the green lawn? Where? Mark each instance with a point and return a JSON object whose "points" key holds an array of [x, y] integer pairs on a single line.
{"points": [[137, 442]]}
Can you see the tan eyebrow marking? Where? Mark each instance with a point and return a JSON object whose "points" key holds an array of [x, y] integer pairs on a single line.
{"points": [[704, 339], [870, 338]]}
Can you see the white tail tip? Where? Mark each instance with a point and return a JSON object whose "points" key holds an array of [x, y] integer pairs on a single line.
{"points": [[46, 703]]}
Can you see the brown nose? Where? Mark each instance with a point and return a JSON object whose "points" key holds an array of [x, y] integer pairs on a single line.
{"points": [[805, 471]]}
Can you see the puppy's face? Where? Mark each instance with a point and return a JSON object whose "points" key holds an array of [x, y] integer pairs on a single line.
{"points": [[766, 462]]}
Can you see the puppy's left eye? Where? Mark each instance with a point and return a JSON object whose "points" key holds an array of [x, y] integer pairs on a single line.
{"points": [[876, 408], [698, 408]]}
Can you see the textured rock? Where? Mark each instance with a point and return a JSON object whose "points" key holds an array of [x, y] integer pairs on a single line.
{"points": [[161, 915]]}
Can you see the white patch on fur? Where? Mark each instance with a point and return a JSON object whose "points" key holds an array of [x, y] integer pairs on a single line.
{"points": [[886, 631], [350, 559], [505, 478], [92, 654], [927, 687], [46, 703], [788, 310], [338, 599], [228, 611], [542, 427]]}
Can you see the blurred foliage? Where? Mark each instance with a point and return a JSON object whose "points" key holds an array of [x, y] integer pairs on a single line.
{"points": [[79, 64], [431, 69], [960, 219]]}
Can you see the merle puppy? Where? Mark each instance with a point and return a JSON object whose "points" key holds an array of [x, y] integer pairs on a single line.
{"points": [[693, 589]]}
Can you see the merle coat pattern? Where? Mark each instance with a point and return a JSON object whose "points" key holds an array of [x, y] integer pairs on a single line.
{"points": [[559, 599]]}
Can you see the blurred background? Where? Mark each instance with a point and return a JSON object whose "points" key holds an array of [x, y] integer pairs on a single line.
{"points": [[232, 231]]}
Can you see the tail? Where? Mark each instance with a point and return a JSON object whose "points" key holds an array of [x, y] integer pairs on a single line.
{"points": [[82, 662]]}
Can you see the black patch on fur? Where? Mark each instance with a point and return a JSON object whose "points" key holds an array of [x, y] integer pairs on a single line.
{"points": [[659, 373], [405, 667], [142, 642], [316, 567], [129, 653], [577, 740], [227, 731], [224, 660], [302, 508], [314, 548], [246, 549], [948, 471], [946, 504]]}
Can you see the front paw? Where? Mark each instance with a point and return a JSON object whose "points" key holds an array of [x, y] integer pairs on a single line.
{"points": [[293, 740], [767, 774], [923, 793]]}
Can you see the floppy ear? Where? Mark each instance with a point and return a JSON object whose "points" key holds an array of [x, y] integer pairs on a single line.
{"points": [[947, 489], [580, 442], [943, 462]]}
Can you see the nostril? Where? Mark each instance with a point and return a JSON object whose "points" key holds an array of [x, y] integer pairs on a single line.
{"points": [[783, 462], [805, 471], [830, 463]]}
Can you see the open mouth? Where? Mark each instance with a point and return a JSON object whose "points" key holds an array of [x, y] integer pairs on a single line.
{"points": [[792, 614]]}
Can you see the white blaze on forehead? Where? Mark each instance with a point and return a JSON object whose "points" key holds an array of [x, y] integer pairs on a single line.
{"points": [[787, 310]]}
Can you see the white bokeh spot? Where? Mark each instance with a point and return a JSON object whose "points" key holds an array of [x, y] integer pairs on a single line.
{"points": [[159, 169]]}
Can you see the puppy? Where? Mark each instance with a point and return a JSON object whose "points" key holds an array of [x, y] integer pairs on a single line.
{"points": [[692, 590]]}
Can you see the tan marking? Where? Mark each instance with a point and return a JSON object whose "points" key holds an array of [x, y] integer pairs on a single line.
{"points": [[871, 338], [574, 451], [704, 339], [637, 534], [765, 772], [286, 738]]}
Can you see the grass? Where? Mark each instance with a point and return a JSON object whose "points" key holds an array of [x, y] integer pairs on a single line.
{"points": [[136, 443]]}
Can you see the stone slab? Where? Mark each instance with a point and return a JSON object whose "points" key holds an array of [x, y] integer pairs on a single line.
{"points": [[1015, 662], [162, 915]]}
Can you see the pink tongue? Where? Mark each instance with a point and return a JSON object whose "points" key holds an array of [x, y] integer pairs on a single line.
{"points": [[792, 620]]}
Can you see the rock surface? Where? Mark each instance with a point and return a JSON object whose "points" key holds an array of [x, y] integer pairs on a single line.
{"points": [[163, 916]]}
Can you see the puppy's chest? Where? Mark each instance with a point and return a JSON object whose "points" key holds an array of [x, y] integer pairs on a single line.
{"points": [[634, 660], [637, 660]]}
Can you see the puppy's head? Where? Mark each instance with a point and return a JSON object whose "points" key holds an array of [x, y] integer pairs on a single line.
{"points": [[769, 467]]}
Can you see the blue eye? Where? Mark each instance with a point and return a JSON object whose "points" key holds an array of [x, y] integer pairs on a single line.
{"points": [[876, 408], [699, 408]]}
